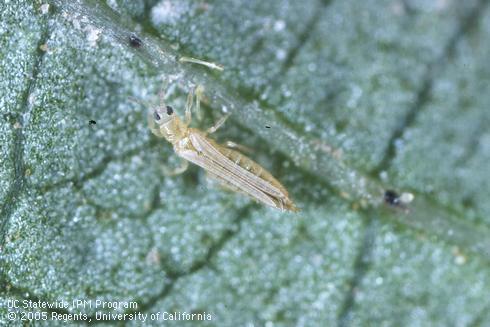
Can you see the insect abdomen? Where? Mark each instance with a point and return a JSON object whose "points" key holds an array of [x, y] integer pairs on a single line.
{"points": [[234, 168], [251, 166]]}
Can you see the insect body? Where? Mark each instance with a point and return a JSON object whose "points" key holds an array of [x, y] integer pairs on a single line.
{"points": [[229, 167]]}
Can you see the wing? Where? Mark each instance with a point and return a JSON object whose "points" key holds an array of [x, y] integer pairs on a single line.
{"points": [[206, 154], [209, 150], [220, 173]]}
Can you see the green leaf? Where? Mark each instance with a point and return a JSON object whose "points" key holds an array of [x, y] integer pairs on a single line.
{"points": [[340, 100]]}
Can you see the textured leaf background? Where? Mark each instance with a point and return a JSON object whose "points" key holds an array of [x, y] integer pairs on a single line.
{"points": [[358, 97]]}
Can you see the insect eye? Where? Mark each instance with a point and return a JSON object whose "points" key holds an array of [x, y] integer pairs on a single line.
{"points": [[170, 110], [156, 115]]}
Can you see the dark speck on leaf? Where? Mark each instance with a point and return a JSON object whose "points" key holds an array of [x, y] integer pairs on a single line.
{"points": [[135, 41], [391, 197], [267, 126], [92, 122]]}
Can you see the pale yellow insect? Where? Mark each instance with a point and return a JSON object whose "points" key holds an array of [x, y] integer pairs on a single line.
{"points": [[229, 167]]}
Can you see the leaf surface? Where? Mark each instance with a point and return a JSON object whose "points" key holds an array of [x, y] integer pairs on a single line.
{"points": [[340, 100]]}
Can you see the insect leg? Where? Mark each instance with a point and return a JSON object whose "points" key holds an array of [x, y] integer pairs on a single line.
{"points": [[199, 96], [217, 125], [211, 65], [177, 171], [188, 108]]}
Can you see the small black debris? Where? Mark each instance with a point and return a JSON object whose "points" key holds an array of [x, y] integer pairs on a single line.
{"points": [[392, 198], [267, 126], [135, 41], [92, 122]]}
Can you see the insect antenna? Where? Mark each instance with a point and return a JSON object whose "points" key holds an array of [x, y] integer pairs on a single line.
{"points": [[143, 103]]}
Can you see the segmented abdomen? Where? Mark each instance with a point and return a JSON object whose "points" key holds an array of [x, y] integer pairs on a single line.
{"points": [[251, 166]]}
